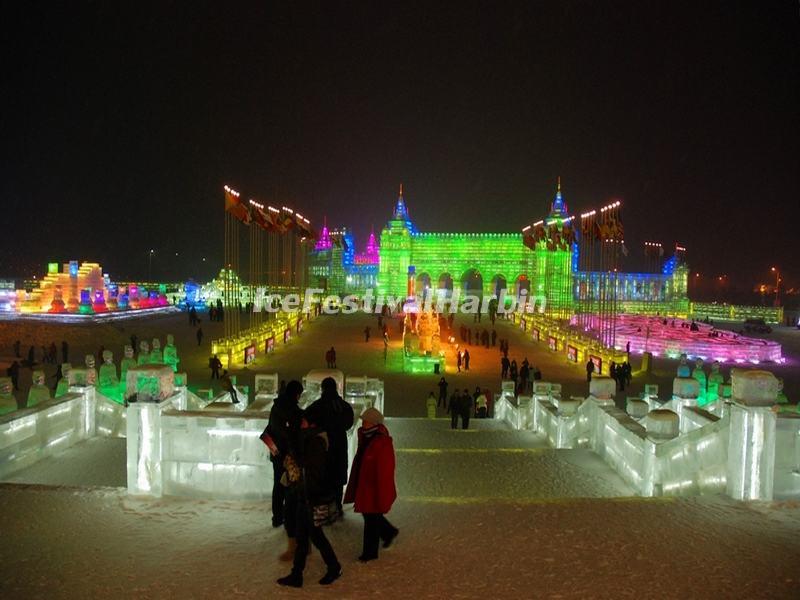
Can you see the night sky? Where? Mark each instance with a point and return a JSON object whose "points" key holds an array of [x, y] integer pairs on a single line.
{"points": [[120, 126]]}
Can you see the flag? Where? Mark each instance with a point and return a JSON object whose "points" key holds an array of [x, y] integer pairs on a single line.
{"points": [[288, 223], [261, 218], [529, 241], [235, 206]]}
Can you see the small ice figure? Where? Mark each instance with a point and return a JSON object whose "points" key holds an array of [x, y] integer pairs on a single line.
{"points": [[156, 357], [715, 380], [700, 375], [108, 371], [91, 372], [8, 403], [683, 367], [62, 387], [171, 353], [144, 353], [127, 362], [39, 392]]}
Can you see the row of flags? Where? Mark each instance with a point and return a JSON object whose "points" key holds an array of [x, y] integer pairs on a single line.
{"points": [[271, 222]]}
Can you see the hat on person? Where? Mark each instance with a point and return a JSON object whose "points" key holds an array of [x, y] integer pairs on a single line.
{"points": [[372, 415]]}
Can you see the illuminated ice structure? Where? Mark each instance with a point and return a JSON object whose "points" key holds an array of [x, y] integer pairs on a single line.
{"points": [[422, 351], [38, 391], [127, 363], [213, 451], [171, 353], [75, 291], [8, 403], [144, 353], [650, 334], [156, 356], [108, 372], [739, 446]]}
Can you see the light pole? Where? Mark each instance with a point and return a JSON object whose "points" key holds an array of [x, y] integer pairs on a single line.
{"points": [[777, 283], [150, 265]]}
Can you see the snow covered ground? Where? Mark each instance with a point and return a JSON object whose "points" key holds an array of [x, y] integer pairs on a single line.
{"points": [[484, 513]]}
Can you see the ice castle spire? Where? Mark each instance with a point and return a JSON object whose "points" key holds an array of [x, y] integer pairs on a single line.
{"points": [[400, 211], [324, 241], [558, 208]]}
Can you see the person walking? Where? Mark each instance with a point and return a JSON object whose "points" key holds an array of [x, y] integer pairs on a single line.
{"points": [[494, 337], [309, 449], [430, 405], [215, 364], [480, 406], [458, 360], [454, 408], [335, 417], [505, 365], [227, 385], [284, 410], [199, 335], [442, 394], [372, 489], [466, 359], [512, 371], [366, 333], [13, 373], [589, 370], [466, 409]]}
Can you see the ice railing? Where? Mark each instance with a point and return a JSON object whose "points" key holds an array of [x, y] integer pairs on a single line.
{"points": [[742, 448], [29, 435], [215, 452]]}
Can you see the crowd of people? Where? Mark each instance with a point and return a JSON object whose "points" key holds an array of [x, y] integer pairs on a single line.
{"points": [[308, 451]]}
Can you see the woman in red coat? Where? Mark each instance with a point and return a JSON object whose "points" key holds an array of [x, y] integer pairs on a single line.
{"points": [[371, 486]]}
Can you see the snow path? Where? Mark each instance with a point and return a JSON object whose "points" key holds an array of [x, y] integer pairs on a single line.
{"points": [[485, 513]]}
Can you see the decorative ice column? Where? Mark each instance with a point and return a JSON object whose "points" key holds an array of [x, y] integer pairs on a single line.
{"points": [[149, 390], [751, 444], [603, 389]]}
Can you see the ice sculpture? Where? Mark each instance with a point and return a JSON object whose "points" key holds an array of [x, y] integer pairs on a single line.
{"points": [[108, 372], [755, 387], [39, 392], [662, 424], [156, 356], [171, 353], [602, 387], [636, 408], [62, 387], [7, 401], [149, 383], [91, 372], [699, 374], [683, 367], [127, 363], [751, 444], [144, 353], [685, 387], [715, 380]]}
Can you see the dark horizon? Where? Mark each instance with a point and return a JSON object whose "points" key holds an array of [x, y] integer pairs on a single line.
{"points": [[121, 126]]}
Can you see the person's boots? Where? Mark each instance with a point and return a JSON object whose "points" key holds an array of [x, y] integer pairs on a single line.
{"points": [[293, 579], [331, 575], [289, 554]]}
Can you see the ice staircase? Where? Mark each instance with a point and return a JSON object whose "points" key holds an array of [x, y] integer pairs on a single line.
{"points": [[491, 462]]}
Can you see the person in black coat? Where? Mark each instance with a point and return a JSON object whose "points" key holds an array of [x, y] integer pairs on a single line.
{"points": [[284, 410], [309, 448], [454, 408], [335, 417], [466, 409]]}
